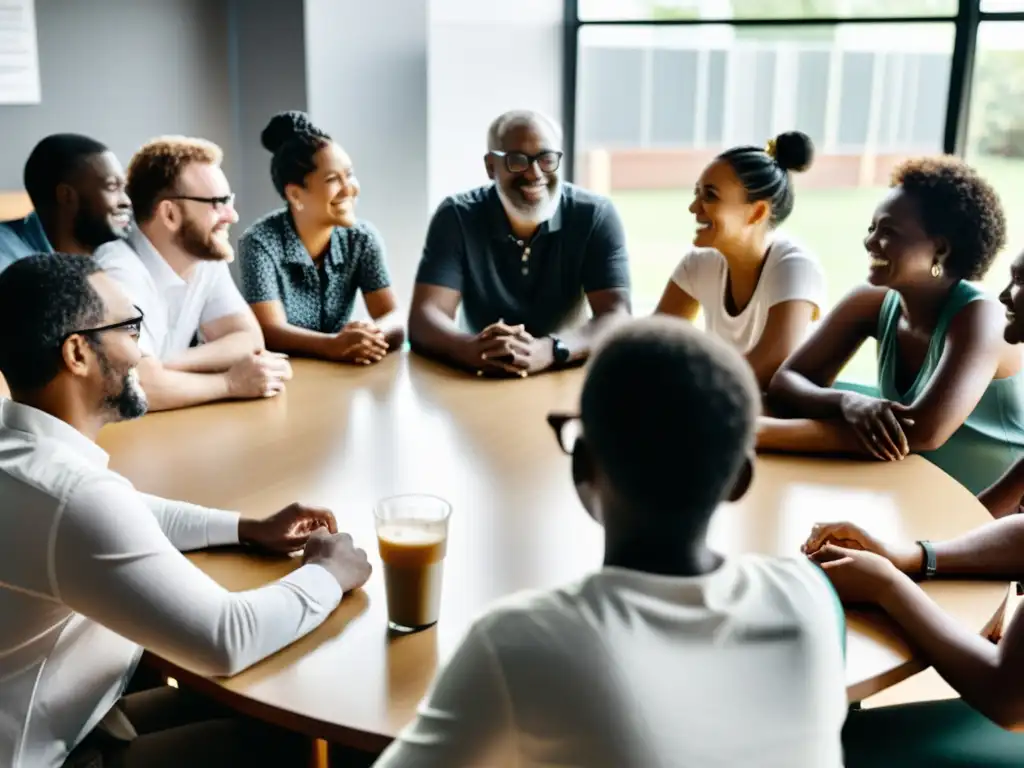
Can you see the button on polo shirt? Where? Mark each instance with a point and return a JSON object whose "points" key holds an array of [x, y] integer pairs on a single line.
{"points": [[541, 282]]}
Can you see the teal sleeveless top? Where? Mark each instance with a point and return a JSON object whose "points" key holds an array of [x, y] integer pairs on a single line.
{"points": [[992, 437]]}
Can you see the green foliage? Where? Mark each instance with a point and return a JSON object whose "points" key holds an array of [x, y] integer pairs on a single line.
{"points": [[997, 104]]}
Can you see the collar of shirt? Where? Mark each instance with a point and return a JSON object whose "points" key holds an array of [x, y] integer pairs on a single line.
{"points": [[163, 276], [24, 418], [501, 229], [714, 590], [295, 252]]}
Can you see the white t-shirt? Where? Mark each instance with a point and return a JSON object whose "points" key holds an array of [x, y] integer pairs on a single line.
{"points": [[174, 308], [743, 666], [790, 273], [90, 570]]}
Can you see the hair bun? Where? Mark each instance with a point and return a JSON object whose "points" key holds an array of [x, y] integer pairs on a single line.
{"points": [[794, 151], [284, 126]]}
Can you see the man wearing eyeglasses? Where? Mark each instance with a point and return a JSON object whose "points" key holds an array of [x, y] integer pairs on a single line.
{"points": [[669, 653], [174, 267], [92, 571], [522, 258]]}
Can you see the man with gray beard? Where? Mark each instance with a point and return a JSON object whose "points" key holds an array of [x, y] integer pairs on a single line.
{"points": [[522, 257], [174, 267]]}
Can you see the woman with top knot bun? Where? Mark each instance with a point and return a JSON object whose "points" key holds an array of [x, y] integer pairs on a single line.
{"points": [[759, 289], [302, 265]]}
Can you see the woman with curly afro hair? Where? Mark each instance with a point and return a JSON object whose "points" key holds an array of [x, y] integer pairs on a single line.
{"points": [[950, 385]]}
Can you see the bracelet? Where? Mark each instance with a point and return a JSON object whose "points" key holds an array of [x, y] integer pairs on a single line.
{"points": [[930, 564]]}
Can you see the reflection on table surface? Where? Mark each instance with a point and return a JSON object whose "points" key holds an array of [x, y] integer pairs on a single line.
{"points": [[344, 437]]}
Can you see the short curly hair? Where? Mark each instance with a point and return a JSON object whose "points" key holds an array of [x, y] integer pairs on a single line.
{"points": [[958, 204], [154, 170]]}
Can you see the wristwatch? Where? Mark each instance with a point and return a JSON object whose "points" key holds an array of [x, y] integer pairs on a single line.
{"points": [[559, 350], [929, 559]]}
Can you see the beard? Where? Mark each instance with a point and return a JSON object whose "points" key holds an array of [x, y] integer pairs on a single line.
{"points": [[531, 213], [93, 231], [202, 245], [124, 397]]}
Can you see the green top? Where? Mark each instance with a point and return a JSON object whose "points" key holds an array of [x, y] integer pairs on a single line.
{"points": [[992, 437]]}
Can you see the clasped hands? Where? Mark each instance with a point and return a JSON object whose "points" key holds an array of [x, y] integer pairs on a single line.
{"points": [[864, 569], [315, 531], [508, 350], [360, 342], [879, 424]]}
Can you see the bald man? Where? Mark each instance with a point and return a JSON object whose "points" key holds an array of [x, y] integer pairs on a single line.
{"points": [[523, 257]]}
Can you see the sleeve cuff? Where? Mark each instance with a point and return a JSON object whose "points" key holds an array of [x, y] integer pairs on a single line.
{"points": [[317, 584], [222, 528]]}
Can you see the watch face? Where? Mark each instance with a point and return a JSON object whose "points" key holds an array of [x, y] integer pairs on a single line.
{"points": [[561, 351]]}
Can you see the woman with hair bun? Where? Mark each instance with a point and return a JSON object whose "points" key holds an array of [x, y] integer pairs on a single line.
{"points": [[759, 290], [303, 264]]}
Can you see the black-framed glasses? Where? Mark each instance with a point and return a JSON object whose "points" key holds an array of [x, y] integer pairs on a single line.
{"points": [[567, 428], [217, 202], [519, 162], [133, 325]]}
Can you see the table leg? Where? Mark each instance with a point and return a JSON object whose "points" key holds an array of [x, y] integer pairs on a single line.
{"points": [[319, 756]]}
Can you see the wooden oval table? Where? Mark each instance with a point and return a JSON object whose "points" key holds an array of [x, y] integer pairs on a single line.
{"points": [[344, 437]]}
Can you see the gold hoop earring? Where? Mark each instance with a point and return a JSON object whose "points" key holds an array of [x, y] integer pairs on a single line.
{"points": [[936, 270]]}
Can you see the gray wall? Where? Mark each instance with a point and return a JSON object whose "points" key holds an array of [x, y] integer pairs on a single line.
{"points": [[124, 71], [267, 75], [366, 74]]}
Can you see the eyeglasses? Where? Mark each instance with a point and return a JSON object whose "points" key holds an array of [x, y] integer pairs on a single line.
{"points": [[519, 162], [133, 325], [568, 429], [216, 202]]}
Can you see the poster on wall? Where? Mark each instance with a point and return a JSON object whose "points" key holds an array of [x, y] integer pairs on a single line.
{"points": [[19, 53]]}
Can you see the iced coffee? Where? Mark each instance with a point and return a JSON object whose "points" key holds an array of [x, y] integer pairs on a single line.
{"points": [[412, 535]]}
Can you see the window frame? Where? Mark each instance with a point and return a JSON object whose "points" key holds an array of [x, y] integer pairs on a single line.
{"points": [[966, 21]]}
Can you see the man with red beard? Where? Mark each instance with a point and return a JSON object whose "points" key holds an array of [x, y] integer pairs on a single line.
{"points": [[524, 258], [174, 267]]}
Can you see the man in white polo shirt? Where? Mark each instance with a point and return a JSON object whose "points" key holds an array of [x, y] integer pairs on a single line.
{"points": [[91, 570], [174, 267], [670, 654]]}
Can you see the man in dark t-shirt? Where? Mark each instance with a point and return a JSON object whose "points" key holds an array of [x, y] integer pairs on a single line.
{"points": [[523, 257]]}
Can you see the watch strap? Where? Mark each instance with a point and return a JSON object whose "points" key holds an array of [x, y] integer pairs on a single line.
{"points": [[930, 563]]}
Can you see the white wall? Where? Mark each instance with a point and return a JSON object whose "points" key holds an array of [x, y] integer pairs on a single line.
{"points": [[486, 57], [367, 86]]}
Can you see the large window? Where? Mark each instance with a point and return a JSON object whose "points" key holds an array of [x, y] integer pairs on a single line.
{"points": [[659, 91], [996, 135]]}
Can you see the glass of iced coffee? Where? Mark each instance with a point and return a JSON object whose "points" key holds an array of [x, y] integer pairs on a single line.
{"points": [[412, 534]]}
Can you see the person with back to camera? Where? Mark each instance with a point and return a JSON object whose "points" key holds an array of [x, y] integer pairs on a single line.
{"points": [[759, 290], [668, 654], [303, 264], [950, 386]]}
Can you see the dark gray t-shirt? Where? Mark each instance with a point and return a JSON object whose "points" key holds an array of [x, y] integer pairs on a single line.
{"points": [[540, 283]]}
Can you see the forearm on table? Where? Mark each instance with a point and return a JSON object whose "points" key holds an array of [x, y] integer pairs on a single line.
{"points": [[817, 436], [392, 325], [217, 356], [112, 562], [580, 341], [995, 549], [432, 333], [190, 526], [793, 394], [168, 389], [293, 340], [965, 660]]}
